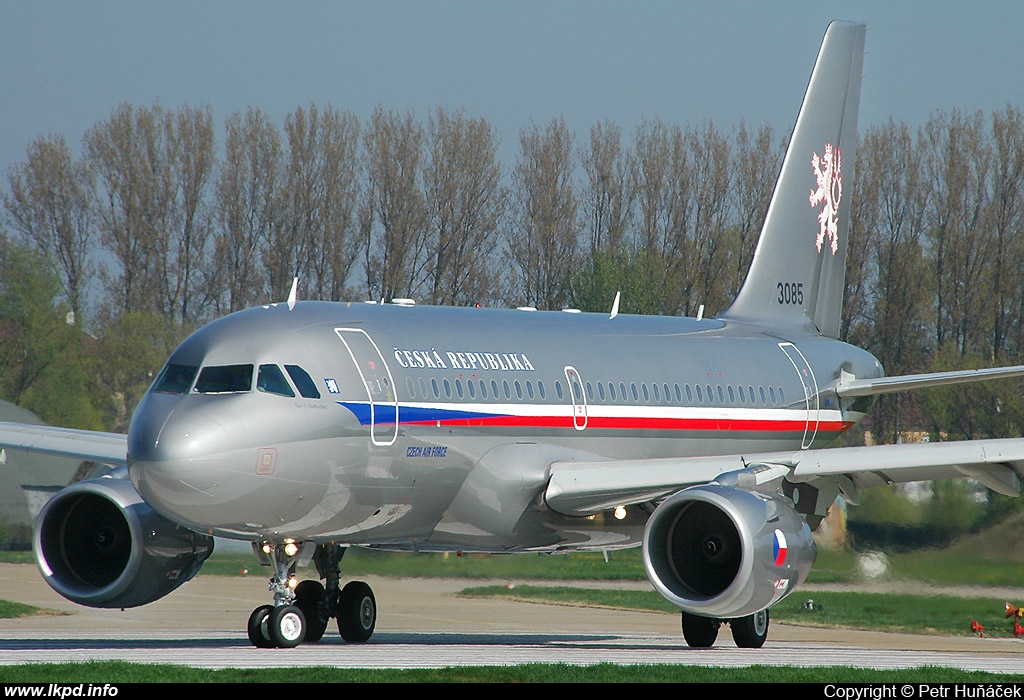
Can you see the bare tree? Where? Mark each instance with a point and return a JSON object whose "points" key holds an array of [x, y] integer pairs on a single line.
{"points": [[1006, 217], [958, 160], [51, 203], [607, 201], [247, 194], [756, 161], [317, 240], [465, 201], [395, 249], [543, 240]]}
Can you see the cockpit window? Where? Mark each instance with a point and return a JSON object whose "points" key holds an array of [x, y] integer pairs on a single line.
{"points": [[271, 380], [224, 379], [303, 382], [175, 379]]}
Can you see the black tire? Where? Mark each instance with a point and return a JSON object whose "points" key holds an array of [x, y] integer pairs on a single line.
{"points": [[698, 631], [308, 597], [751, 631], [259, 635], [357, 612], [287, 626]]}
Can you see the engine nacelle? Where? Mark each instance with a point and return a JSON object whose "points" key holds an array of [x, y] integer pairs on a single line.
{"points": [[722, 552], [97, 543]]}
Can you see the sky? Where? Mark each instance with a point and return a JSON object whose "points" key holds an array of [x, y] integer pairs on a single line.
{"points": [[64, 66]]}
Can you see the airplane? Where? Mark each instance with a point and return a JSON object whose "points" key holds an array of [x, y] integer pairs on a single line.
{"points": [[306, 428]]}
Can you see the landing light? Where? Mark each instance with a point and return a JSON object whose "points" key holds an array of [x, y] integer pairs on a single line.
{"points": [[291, 549], [620, 512]]}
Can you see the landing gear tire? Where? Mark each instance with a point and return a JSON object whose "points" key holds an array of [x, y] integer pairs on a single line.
{"points": [[357, 612], [287, 626], [259, 635], [308, 597], [699, 632], [751, 631]]}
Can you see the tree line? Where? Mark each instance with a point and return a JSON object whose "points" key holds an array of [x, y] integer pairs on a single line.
{"points": [[157, 227]]}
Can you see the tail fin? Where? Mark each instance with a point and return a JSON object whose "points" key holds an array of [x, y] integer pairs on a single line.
{"points": [[797, 274]]}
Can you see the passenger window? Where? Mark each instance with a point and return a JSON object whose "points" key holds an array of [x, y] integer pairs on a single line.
{"points": [[558, 390], [410, 387], [600, 390], [483, 389], [303, 382], [471, 385], [689, 394], [782, 397], [433, 386], [494, 388], [611, 390], [700, 394], [447, 389], [508, 392], [540, 389], [647, 396], [657, 396], [175, 379], [529, 389], [224, 379], [270, 380]]}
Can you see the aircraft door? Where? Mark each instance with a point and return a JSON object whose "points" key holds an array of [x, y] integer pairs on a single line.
{"points": [[378, 382], [810, 387], [578, 398]]}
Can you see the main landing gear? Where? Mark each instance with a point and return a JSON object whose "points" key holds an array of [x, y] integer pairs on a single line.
{"points": [[301, 612], [748, 632]]}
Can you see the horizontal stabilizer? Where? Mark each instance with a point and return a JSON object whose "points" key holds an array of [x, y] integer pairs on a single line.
{"points": [[888, 385]]}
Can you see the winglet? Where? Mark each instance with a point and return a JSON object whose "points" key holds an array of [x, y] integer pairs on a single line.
{"points": [[797, 274]]}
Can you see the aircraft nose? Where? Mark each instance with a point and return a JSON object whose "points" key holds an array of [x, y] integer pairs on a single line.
{"points": [[176, 458]]}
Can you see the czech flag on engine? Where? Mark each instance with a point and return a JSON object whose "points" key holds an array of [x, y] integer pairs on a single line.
{"points": [[780, 548]]}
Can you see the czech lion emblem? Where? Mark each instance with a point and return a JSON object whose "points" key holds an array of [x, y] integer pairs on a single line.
{"points": [[828, 171]]}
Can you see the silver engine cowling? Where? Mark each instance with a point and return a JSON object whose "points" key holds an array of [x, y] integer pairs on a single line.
{"points": [[722, 552], [97, 543]]}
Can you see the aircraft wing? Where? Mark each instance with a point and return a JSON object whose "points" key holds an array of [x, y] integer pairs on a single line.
{"points": [[105, 448], [584, 488]]}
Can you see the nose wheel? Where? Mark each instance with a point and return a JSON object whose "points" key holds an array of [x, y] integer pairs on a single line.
{"points": [[302, 610]]}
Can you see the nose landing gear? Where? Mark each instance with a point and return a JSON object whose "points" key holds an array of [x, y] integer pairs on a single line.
{"points": [[302, 610]]}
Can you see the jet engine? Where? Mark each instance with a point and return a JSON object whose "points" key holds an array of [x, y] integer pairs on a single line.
{"points": [[723, 552], [98, 544]]}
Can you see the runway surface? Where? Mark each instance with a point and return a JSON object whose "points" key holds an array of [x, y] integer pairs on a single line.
{"points": [[422, 623]]}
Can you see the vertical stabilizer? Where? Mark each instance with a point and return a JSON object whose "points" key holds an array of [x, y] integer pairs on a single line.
{"points": [[797, 273]]}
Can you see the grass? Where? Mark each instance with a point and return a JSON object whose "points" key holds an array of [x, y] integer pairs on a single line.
{"points": [[111, 672]]}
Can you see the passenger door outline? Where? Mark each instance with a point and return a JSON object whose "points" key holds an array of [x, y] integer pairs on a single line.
{"points": [[810, 387], [377, 381]]}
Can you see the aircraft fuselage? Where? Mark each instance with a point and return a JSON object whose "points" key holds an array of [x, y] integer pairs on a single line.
{"points": [[282, 423]]}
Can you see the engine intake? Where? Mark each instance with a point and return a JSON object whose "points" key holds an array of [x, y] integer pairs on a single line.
{"points": [[97, 543], [723, 552]]}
